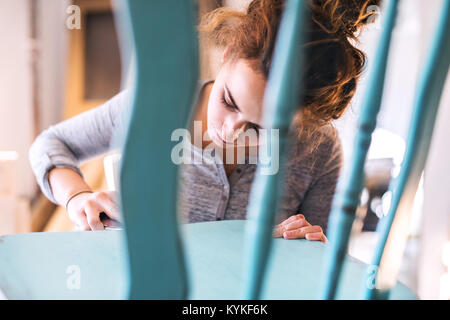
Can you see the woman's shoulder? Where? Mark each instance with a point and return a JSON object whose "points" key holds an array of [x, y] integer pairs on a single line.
{"points": [[329, 142], [319, 152]]}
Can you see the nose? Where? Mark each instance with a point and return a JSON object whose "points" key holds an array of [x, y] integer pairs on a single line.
{"points": [[232, 127]]}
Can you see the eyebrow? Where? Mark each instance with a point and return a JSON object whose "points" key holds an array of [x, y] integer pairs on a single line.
{"points": [[231, 97], [236, 106]]}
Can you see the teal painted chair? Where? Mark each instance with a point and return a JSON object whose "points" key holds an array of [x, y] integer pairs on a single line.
{"points": [[156, 258]]}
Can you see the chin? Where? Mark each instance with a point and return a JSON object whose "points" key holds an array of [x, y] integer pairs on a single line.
{"points": [[210, 133], [212, 136]]}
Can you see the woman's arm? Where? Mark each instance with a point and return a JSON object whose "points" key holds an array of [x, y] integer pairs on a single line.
{"points": [[64, 183], [310, 220], [317, 201], [57, 152]]}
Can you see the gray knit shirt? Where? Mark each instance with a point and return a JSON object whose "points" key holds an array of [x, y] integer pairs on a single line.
{"points": [[205, 192]]}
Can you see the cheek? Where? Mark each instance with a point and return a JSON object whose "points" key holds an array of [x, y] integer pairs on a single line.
{"points": [[216, 115]]}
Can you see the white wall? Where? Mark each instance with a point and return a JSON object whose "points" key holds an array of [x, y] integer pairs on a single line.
{"points": [[53, 42], [16, 106], [16, 124], [435, 224], [436, 219]]}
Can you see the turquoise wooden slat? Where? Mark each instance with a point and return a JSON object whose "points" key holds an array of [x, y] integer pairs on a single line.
{"points": [[280, 101], [349, 188], [394, 228], [38, 265], [165, 42]]}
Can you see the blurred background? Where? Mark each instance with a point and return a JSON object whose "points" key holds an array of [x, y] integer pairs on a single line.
{"points": [[52, 69]]}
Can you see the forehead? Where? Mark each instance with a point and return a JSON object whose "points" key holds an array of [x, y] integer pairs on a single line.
{"points": [[246, 86]]}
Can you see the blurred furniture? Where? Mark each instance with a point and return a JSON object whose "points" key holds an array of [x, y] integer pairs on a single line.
{"points": [[111, 165], [94, 68], [384, 158]]}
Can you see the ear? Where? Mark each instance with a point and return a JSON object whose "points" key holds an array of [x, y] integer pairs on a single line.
{"points": [[226, 53]]}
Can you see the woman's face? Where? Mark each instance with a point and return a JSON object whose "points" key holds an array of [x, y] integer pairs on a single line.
{"points": [[235, 104]]}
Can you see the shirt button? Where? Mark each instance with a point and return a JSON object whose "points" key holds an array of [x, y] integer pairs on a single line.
{"points": [[238, 170], [224, 197]]}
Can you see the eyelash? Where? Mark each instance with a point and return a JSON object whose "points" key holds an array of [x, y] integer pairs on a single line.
{"points": [[228, 106]]}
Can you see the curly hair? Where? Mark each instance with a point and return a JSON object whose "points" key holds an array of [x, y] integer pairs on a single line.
{"points": [[333, 66]]}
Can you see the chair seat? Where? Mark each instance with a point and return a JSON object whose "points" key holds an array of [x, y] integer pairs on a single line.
{"points": [[40, 265]]}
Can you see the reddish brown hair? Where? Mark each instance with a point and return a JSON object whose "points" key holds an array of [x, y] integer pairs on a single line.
{"points": [[333, 63]]}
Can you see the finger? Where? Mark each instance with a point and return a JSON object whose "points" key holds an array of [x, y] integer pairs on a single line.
{"points": [[316, 236], [281, 227], [278, 231], [86, 227], [301, 233], [109, 206], [81, 228], [93, 215], [80, 221], [297, 224], [292, 218]]}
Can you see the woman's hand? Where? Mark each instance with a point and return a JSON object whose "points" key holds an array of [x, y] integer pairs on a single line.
{"points": [[85, 209], [296, 227]]}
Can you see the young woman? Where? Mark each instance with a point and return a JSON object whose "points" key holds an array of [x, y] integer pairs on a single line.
{"points": [[230, 104]]}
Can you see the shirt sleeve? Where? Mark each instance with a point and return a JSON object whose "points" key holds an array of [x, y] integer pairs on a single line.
{"points": [[73, 141], [316, 204]]}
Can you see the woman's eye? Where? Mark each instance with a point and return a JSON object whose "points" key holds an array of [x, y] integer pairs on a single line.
{"points": [[227, 105]]}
